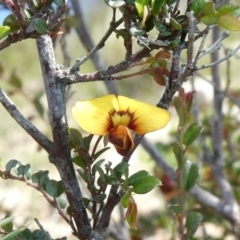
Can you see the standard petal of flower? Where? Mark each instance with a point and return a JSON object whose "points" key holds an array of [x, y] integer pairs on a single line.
{"points": [[94, 115], [144, 117]]}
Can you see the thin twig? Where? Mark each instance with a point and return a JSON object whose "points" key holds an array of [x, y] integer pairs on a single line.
{"points": [[230, 54], [37, 135], [85, 37], [113, 26]]}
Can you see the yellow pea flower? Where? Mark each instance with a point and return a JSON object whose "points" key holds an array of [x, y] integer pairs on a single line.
{"points": [[116, 115]]}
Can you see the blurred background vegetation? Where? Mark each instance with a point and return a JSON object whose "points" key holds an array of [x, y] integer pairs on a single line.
{"points": [[21, 78]]}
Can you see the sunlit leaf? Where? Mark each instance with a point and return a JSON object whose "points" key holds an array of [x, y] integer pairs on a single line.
{"points": [[131, 214], [229, 8], [4, 31], [197, 6], [140, 6], [229, 23], [126, 198], [210, 19], [156, 6]]}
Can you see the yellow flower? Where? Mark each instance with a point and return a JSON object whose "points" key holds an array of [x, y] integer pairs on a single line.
{"points": [[115, 115]]}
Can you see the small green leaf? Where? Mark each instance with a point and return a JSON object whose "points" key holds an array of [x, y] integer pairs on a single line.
{"points": [[143, 183], [190, 175], [54, 188], [4, 31], [210, 19], [112, 178], [11, 164], [100, 152], [197, 6], [97, 164], [156, 6], [87, 141], [122, 33], [121, 169], [131, 214], [192, 223], [11, 22], [79, 161], [126, 198], [175, 25], [40, 25], [229, 23], [75, 138], [15, 80], [177, 152], [192, 133], [208, 15], [160, 27], [140, 6], [101, 180], [228, 8], [136, 176], [23, 170], [6, 221], [181, 111], [40, 177], [13, 234], [86, 201], [62, 201]]}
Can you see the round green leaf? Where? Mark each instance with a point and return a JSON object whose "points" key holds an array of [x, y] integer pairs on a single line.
{"points": [[142, 182], [40, 25]]}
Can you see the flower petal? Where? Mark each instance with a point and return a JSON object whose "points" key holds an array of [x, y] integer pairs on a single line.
{"points": [[122, 139], [94, 115], [144, 117]]}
